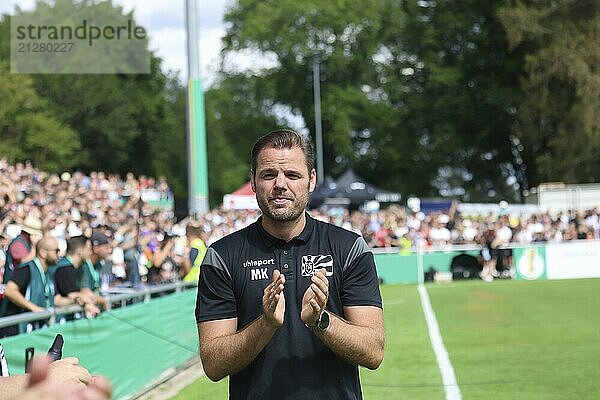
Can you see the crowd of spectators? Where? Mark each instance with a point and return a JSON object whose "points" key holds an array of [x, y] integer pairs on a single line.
{"points": [[395, 227], [73, 205], [148, 245]]}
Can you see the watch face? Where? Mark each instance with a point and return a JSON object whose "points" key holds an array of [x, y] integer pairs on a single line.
{"points": [[324, 321]]}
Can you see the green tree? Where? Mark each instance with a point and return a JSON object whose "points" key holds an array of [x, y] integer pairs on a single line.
{"points": [[463, 95], [28, 129], [236, 117], [168, 148], [124, 122], [341, 36], [559, 119], [419, 97]]}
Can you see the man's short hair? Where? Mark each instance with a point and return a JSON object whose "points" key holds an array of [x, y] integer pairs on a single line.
{"points": [[44, 243], [194, 229], [284, 139], [76, 243]]}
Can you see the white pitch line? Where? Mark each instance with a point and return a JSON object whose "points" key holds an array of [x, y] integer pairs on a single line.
{"points": [[441, 354]]}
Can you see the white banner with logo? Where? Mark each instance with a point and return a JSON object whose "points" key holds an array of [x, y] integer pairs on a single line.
{"points": [[573, 260]]}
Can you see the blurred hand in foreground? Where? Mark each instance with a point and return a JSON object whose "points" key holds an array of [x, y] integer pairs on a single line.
{"points": [[64, 380]]}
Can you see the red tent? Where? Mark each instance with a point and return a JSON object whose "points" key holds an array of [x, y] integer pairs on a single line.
{"points": [[245, 190]]}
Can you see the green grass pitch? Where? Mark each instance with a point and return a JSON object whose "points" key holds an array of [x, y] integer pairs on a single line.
{"points": [[506, 340]]}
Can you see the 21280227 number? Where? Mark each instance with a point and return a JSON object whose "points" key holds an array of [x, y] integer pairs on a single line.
{"points": [[36, 47]]}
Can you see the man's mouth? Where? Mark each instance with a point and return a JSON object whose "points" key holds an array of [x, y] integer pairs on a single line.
{"points": [[280, 200]]}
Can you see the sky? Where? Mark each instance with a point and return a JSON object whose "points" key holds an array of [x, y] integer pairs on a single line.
{"points": [[165, 22]]}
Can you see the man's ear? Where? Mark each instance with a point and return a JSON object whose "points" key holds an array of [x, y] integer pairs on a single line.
{"points": [[312, 181], [253, 181]]}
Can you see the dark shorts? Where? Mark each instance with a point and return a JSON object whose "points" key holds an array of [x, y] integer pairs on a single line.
{"points": [[504, 252]]}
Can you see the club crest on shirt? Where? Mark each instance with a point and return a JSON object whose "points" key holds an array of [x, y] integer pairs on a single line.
{"points": [[312, 263]]}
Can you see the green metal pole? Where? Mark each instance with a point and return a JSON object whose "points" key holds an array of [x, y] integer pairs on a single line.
{"points": [[196, 123]]}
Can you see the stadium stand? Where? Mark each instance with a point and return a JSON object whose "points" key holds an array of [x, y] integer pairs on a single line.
{"points": [[148, 246]]}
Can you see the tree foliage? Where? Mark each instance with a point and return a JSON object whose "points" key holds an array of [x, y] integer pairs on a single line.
{"points": [[28, 129], [235, 118], [559, 119], [121, 122], [340, 36], [418, 98], [470, 99]]}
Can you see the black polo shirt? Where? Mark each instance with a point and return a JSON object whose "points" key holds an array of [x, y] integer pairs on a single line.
{"points": [[295, 364]]}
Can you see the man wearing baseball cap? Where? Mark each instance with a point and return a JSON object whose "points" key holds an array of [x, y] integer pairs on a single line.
{"points": [[91, 270]]}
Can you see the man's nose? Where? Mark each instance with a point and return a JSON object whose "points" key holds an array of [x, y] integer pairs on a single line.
{"points": [[280, 181]]}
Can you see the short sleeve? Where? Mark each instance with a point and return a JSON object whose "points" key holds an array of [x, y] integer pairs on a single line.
{"points": [[215, 299], [360, 286], [66, 281], [21, 277], [193, 255]]}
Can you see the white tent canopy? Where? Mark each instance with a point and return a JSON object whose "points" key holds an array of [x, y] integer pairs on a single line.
{"points": [[242, 199]]}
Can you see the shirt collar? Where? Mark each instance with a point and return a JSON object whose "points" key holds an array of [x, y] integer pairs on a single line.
{"points": [[272, 241]]}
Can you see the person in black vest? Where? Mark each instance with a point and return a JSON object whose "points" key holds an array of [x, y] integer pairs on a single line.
{"points": [[63, 276], [29, 288], [289, 306], [94, 268]]}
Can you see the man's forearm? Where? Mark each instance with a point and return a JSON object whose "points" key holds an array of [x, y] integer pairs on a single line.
{"points": [[226, 355], [185, 266], [93, 297], [359, 345], [19, 300], [13, 386]]}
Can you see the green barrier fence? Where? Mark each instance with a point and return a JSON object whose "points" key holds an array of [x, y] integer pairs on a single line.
{"points": [[565, 260], [400, 268], [132, 346]]}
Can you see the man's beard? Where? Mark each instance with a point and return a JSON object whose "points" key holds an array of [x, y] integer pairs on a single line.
{"points": [[283, 215]]}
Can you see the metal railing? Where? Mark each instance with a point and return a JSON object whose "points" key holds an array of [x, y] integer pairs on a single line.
{"points": [[120, 297]]}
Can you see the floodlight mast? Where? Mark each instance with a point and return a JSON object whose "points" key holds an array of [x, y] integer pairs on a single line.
{"points": [[196, 123]]}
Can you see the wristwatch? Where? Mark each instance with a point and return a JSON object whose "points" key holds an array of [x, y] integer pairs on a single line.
{"points": [[321, 325]]}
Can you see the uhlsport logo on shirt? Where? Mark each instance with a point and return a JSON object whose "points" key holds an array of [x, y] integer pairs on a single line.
{"points": [[258, 263], [312, 263]]}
